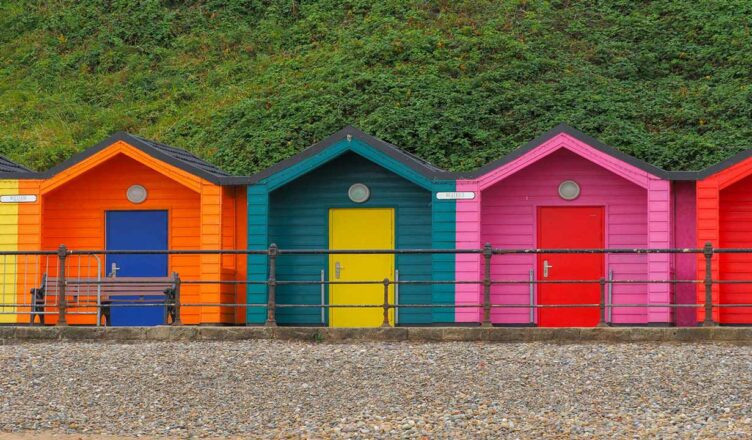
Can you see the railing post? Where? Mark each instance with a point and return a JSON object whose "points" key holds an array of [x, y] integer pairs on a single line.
{"points": [[271, 320], [602, 306], [708, 252], [62, 255], [531, 290], [386, 303], [487, 254], [178, 320]]}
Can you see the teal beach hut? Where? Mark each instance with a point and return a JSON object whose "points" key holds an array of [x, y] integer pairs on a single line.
{"points": [[352, 191]]}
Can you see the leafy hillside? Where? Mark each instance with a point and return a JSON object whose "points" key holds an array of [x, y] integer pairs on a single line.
{"points": [[246, 83]]}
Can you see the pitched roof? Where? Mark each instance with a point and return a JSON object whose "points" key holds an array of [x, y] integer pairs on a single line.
{"points": [[176, 157], [413, 162], [720, 166], [10, 169], [564, 128]]}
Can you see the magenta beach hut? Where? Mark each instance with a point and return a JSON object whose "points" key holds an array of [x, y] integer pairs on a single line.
{"points": [[566, 190]]}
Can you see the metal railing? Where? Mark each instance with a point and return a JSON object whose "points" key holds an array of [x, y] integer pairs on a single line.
{"points": [[78, 273]]}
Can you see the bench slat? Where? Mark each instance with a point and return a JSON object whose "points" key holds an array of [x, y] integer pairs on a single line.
{"points": [[144, 287]]}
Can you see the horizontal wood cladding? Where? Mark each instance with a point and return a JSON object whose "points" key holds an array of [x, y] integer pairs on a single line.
{"points": [[735, 231], [29, 239], [8, 242], [298, 219], [509, 218], [721, 210], [74, 214]]}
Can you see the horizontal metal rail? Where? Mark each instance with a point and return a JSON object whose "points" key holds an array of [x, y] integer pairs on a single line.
{"points": [[410, 282], [436, 305], [167, 252], [70, 299], [27, 253], [494, 251], [413, 282], [416, 305]]}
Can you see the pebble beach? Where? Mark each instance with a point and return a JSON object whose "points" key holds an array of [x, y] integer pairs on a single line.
{"points": [[278, 389]]}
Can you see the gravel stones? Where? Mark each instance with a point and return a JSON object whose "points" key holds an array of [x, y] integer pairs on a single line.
{"points": [[273, 389]]}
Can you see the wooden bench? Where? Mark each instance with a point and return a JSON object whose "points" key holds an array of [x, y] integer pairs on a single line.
{"points": [[112, 291]]}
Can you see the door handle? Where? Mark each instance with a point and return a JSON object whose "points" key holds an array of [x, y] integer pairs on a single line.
{"points": [[115, 269], [546, 266], [337, 269]]}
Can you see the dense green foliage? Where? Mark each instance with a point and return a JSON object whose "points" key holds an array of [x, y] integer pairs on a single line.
{"points": [[246, 83]]}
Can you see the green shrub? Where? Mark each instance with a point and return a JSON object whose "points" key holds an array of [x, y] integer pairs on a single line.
{"points": [[246, 83]]}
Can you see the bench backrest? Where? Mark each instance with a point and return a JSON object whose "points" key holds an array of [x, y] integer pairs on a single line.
{"points": [[149, 286]]}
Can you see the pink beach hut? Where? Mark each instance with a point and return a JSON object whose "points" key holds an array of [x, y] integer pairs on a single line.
{"points": [[567, 190]]}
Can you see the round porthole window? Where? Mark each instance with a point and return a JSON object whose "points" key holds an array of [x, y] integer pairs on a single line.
{"points": [[136, 194], [569, 190], [359, 193]]}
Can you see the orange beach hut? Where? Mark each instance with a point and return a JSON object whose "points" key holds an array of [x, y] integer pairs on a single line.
{"points": [[130, 193]]}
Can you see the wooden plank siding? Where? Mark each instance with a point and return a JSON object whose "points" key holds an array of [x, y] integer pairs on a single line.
{"points": [[468, 266], [74, 214], [29, 239], [724, 219], [735, 231], [233, 267], [708, 230], [685, 236], [298, 216], [210, 264], [258, 239], [659, 218], [201, 215], [503, 213], [444, 229], [8, 242], [290, 208], [509, 219]]}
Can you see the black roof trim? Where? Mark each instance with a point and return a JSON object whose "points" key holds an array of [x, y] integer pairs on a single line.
{"points": [[413, 162], [176, 157], [720, 166], [564, 128], [13, 170], [682, 175]]}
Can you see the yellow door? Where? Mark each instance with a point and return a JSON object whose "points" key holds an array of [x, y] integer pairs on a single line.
{"points": [[360, 228]]}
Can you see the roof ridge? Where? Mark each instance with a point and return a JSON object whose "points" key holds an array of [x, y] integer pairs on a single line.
{"points": [[414, 156], [568, 130], [175, 156], [8, 167], [422, 166], [182, 154]]}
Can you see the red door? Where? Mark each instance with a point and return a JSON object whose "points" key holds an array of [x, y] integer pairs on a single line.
{"points": [[568, 228]]}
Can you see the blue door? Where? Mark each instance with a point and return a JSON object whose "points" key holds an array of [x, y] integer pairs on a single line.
{"points": [[137, 230]]}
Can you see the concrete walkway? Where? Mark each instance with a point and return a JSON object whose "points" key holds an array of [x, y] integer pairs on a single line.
{"points": [[10, 335]]}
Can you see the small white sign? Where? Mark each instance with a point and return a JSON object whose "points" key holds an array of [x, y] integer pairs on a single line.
{"points": [[18, 198], [456, 195]]}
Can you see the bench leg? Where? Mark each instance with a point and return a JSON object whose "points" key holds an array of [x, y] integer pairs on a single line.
{"points": [[169, 315], [35, 312]]}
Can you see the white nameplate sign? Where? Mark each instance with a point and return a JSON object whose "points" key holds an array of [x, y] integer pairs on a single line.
{"points": [[18, 198], [457, 195]]}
